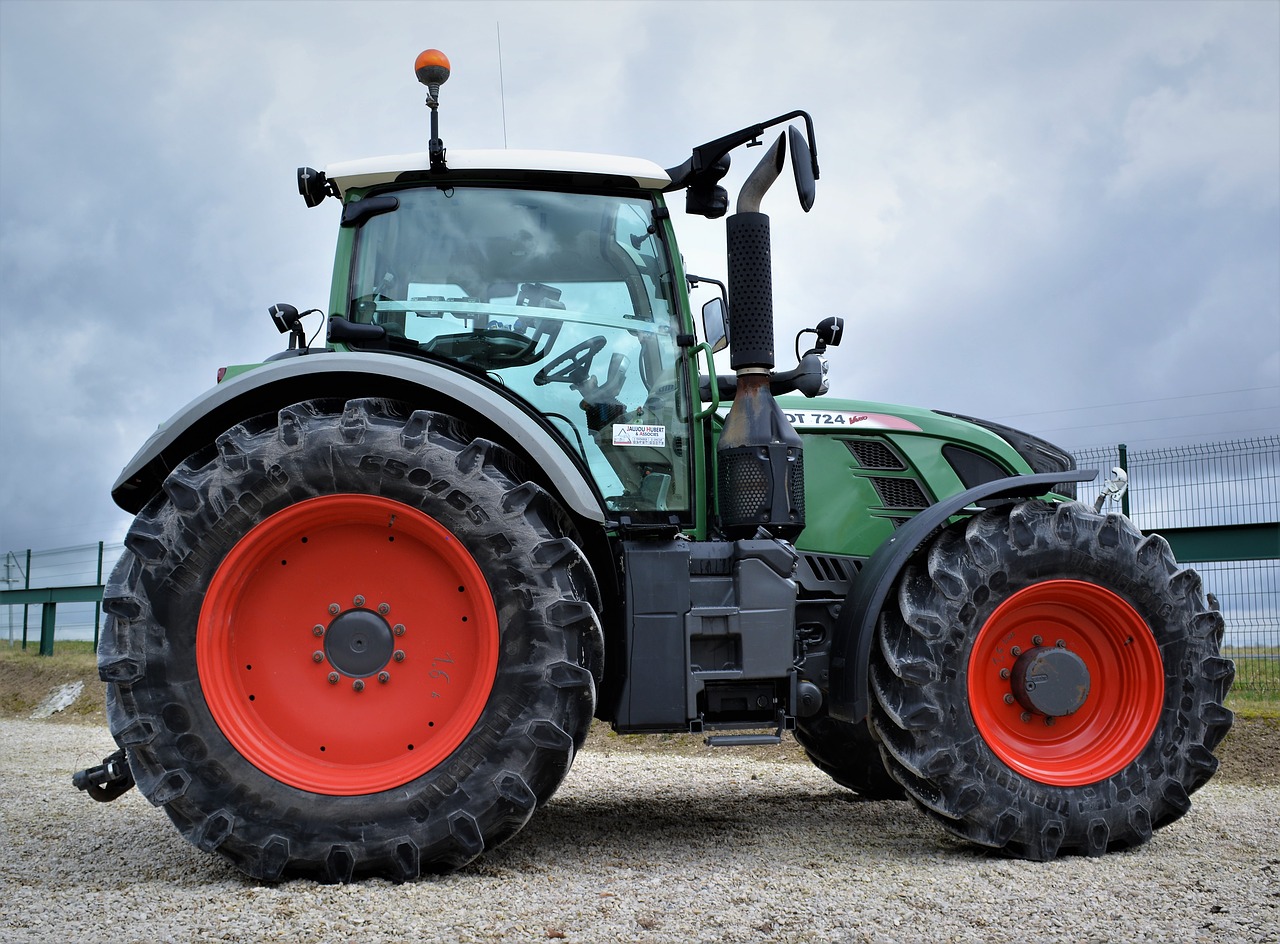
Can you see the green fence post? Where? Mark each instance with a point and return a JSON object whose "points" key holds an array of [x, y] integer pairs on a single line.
{"points": [[48, 617], [26, 609], [1124, 465], [97, 607]]}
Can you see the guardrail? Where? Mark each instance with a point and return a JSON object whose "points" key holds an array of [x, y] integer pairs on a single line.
{"points": [[72, 575]]}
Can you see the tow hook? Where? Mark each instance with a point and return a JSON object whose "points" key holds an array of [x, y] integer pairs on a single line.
{"points": [[108, 781]]}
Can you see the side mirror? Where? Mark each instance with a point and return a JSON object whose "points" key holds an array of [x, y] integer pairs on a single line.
{"points": [[714, 325], [802, 167]]}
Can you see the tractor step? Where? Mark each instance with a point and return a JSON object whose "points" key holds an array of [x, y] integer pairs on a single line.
{"points": [[742, 740]]}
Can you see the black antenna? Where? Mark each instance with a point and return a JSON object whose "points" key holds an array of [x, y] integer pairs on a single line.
{"points": [[502, 87]]}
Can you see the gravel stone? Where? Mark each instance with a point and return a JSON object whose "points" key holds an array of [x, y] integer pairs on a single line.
{"points": [[635, 847]]}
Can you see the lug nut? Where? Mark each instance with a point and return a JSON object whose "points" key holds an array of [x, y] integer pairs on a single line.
{"points": [[334, 609], [398, 629], [1008, 698], [317, 656], [384, 608], [333, 678], [358, 685], [1015, 651], [1049, 721], [1061, 644], [359, 600], [1026, 717], [398, 655], [1004, 673], [384, 677], [317, 630], [1037, 640]]}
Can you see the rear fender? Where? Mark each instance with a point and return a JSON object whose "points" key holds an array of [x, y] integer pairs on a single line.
{"points": [[420, 384], [856, 624]]}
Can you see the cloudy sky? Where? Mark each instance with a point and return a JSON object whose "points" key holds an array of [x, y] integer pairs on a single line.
{"points": [[1062, 216]]}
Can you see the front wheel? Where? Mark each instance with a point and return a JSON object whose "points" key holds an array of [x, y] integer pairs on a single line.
{"points": [[350, 639], [1047, 680]]}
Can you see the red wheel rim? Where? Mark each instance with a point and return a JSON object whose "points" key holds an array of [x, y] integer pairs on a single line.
{"points": [[1126, 683], [347, 644]]}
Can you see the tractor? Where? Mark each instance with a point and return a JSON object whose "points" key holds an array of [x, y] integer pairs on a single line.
{"points": [[378, 588]]}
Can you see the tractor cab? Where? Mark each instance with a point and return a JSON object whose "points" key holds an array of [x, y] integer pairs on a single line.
{"points": [[563, 299]]}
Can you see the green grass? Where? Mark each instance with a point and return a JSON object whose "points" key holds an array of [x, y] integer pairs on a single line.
{"points": [[1256, 691], [26, 677], [64, 652]]}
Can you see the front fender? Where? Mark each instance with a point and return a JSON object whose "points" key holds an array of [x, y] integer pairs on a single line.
{"points": [[328, 374], [856, 624]]}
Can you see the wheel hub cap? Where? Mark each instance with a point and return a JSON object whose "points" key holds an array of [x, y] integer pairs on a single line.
{"points": [[1050, 681], [359, 643]]}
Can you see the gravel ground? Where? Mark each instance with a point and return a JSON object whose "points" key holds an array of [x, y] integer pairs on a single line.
{"points": [[636, 846]]}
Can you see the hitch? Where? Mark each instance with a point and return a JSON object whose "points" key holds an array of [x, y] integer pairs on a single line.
{"points": [[109, 781]]}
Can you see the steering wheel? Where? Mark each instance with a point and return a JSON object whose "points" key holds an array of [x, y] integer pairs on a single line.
{"points": [[573, 366]]}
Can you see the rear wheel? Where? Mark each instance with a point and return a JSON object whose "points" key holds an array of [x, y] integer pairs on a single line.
{"points": [[1048, 680], [350, 639]]}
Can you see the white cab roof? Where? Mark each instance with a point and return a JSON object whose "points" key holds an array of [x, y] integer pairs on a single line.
{"points": [[377, 170]]}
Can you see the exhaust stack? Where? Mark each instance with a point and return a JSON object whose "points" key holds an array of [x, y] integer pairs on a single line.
{"points": [[760, 457]]}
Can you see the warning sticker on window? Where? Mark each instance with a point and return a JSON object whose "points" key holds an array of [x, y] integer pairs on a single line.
{"points": [[629, 434]]}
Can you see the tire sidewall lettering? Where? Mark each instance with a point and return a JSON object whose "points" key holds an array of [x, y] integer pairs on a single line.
{"points": [[396, 470]]}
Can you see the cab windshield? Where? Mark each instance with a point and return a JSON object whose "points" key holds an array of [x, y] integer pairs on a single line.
{"points": [[564, 298]]}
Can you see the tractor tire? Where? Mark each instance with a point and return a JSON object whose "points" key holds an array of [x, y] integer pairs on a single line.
{"points": [[350, 639], [1049, 681], [848, 754]]}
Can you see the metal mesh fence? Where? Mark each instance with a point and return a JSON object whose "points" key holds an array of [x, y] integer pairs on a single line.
{"points": [[1208, 485], [60, 567], [1247, 592], [1195, 486]]}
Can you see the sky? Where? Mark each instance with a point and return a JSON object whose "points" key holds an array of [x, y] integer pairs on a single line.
{"points": [[1061, 216]]}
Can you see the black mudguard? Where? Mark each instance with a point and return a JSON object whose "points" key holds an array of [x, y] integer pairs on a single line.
{"points": [[856, 625]]}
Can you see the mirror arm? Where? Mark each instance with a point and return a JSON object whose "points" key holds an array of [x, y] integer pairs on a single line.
{"points": [[706, 155], [695, 280]]}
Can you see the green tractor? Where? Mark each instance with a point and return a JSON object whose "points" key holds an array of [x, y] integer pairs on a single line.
{"points": [[377, 590]]}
